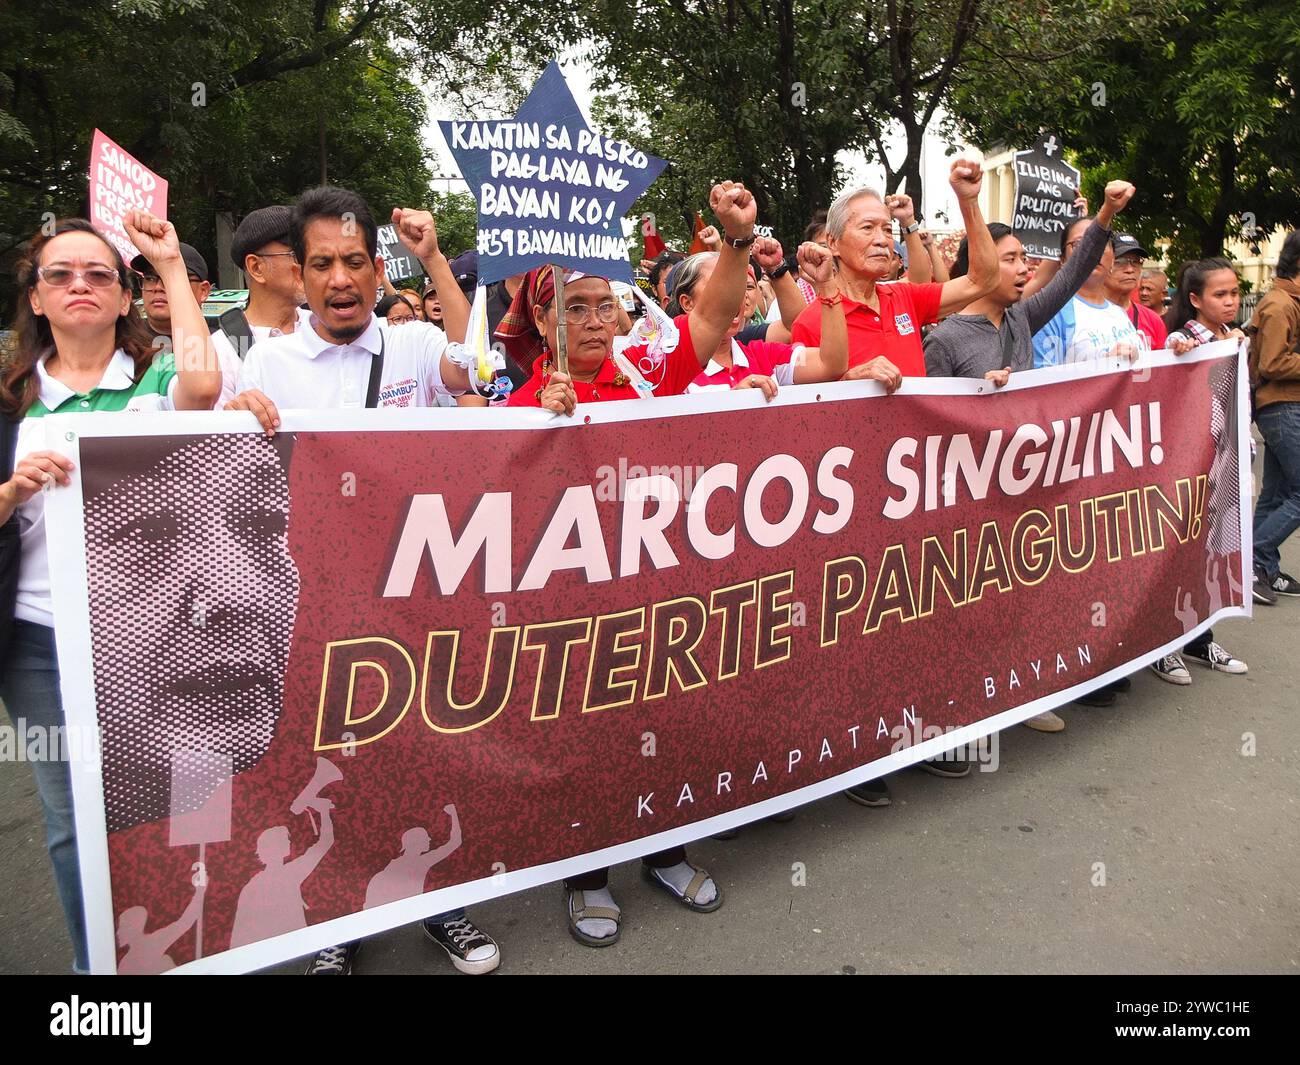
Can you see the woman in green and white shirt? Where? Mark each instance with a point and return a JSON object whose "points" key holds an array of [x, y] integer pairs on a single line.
{"points": [[81, 346]]}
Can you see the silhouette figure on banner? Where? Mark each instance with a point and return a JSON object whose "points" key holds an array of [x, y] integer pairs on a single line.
{"points": [[404, 876], [271, 903], [1184, 611], [146, 952]]}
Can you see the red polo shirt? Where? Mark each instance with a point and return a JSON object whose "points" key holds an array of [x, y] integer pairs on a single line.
{"points": [[894, 333], [1145, 320], [678, 370]]}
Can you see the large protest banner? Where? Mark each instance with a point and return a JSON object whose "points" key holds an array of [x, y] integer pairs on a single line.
{"points": [[388, 664], [119, 183], [1046, 188]]}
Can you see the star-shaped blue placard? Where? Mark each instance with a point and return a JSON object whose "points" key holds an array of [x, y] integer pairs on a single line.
{"points": [[549, 188]]}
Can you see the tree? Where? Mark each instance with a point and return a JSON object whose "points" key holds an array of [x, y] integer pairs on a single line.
{"points": [[772, 91], [748, 89], [238, 104], [456, 214], [1195, 103]]}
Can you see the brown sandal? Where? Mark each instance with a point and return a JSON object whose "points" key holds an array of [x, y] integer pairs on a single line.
{"points": [[687, 897], [578, 910]]}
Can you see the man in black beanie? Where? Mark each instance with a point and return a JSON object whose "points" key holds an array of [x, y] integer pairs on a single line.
{"points": [[260, 248]]}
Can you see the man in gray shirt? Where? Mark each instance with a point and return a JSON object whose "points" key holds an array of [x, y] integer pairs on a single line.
{"points": [[995, 333]]}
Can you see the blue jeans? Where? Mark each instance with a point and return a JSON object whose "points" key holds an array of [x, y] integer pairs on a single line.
{"points": [[1277, 511], [31, 695]]}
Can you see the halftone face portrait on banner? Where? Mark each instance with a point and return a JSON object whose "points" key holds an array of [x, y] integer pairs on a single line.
{"points": [[192, 610]]}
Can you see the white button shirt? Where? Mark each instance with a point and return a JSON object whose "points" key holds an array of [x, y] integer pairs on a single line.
{"points": [[302, 370]]}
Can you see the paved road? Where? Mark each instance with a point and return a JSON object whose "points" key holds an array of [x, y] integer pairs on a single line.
{"points": [[993, 873]]}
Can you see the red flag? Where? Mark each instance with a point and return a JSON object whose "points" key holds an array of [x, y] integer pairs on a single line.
{"points": [[697, 245], [654, 245]]}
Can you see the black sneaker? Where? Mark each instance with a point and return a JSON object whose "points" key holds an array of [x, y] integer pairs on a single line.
{"points": [[1121, 686], [1284, 584], [870, 793], [1100, 697], [334, 961], [470, 950], [1262, 588], [783, 818], [945, 766], [726, 834], [1214, 656]]}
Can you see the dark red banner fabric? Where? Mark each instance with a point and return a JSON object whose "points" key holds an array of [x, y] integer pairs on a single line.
{"points": [[347, 668]]}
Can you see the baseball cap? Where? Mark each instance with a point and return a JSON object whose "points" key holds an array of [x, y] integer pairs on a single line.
{"points": [[464, 268], [194, 263], [1126, 244]]}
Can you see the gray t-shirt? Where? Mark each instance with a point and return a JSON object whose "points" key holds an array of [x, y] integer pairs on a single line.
{"points": [[969, 345]]}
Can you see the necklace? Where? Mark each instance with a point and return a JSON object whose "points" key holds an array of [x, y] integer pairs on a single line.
{"points": [[548, 367]]}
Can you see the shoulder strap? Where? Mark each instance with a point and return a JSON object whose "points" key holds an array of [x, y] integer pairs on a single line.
{"points": [[235, 325], [376, 372], [1007, 341]]}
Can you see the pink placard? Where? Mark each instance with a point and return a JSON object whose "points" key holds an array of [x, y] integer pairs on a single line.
{"points": [[118, 183]]}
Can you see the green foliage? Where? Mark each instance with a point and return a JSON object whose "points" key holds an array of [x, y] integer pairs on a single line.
{"points": [[1194, 102], [457, 219], [231, 101]]}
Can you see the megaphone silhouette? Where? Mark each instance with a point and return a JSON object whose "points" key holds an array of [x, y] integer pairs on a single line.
{"points": [[327, 773]]}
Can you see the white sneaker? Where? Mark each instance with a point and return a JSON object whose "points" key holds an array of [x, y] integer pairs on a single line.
{"points": [[1172, 669], [1217, 658]]}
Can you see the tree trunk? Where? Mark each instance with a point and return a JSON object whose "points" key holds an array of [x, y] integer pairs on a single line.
{"points": [[1213, 234]]}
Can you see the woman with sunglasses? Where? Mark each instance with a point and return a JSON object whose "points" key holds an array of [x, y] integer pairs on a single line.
{"points": [[81, 346]]}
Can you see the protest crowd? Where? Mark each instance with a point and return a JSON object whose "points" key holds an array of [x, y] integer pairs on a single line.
{"points": [[325, 328]]}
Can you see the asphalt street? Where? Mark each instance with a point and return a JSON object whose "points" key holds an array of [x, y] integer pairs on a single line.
{"points": [[994, 873]]}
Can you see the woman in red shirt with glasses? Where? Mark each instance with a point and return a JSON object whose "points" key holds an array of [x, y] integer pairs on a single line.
{"points": [[596, 375]]}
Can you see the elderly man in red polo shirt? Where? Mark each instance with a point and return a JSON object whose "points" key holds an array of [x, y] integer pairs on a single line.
{"points": [[885, 318]]}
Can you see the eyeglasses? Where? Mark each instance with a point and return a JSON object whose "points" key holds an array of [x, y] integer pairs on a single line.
{"points": [[272, 254], [154, 281], [62, 276], [581, 313]]}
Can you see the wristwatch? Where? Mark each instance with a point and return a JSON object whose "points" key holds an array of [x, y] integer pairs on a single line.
{"points": [[780, 271], [912, 228], [739, 242]]}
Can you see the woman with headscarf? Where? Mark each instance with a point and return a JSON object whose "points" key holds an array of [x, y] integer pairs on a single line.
{"points": [[597, 375]]}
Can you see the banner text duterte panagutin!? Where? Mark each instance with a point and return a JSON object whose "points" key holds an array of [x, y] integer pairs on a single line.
{"points": [[647, 651]]}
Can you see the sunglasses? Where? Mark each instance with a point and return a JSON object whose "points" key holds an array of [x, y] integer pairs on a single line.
{"points": [[62, 276]]}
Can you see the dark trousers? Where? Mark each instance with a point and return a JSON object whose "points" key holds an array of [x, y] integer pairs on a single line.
{"points": [[599, 878], [1198, 645], [31, 695]]}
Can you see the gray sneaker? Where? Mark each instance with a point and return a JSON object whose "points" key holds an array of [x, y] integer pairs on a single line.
{"points": [[1262, 588], [1214, 656], [1172, 669], [1284, 584], [870, 793]]}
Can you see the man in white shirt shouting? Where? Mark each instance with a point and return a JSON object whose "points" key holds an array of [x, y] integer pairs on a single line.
{"points": [[344, 357], [341, 356]]}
